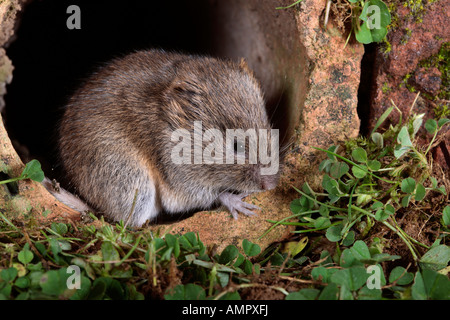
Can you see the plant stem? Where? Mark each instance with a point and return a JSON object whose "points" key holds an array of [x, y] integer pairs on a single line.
{"points": [[349, 212], [10, 180], [298, 224], [291, 5], [432, 140], [408, 236], [348, 38], [353, 164], [317, 229], [349, 224], [9, 222], [284, 219], [321, 203], [130, 252]]}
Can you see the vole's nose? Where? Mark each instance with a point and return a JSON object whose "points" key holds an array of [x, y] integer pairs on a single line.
{"points": [[269, 182]]}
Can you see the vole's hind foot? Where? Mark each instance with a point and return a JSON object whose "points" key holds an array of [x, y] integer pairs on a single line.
{"points": [[233, 202]]}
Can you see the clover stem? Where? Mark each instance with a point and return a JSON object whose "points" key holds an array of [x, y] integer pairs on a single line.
{"points": [[317, 229], [353, 164], [348, 38], [408, 236], [321, 203], [10, 180], [349, 212], [8, 222], [432, 140], [287, 218]]}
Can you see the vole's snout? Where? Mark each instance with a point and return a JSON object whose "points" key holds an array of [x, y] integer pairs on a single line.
{"points": [[269, 182]]}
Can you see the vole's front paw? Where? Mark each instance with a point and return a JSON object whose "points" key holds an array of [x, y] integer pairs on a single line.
{"points": [[233, 202]]}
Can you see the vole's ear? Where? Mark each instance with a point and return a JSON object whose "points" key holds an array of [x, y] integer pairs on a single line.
{"points": [[185, 87], [184, 98], [243, 65]]}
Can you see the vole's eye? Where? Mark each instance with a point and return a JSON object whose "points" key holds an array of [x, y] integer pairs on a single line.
{"points": [[239, 147]]}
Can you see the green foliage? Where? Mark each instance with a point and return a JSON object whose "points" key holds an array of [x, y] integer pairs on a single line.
{"points": [[127, 266], [436, 258], [117, 263], [366, 186], [355, 183], [355, 280], [446, 217], [290, 6], [31, 171], [441, 61], [367, 32], [28, 278], [430, 285], [250, 249], [189, 291], [370, 19]]}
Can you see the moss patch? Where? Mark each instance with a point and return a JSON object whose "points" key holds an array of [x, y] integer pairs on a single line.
{"points": [[442, 62]]}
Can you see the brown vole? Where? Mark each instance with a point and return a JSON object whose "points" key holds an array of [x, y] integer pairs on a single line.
{"points": [[116, 138]]}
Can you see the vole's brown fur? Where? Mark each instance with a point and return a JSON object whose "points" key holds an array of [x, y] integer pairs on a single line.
{"points": [[115, 135]]}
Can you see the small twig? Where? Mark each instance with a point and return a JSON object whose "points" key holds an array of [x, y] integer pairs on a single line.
{"points": [[413, 104], [301, 280], [401, 276]]}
